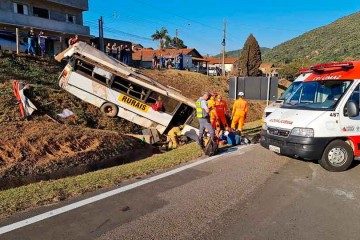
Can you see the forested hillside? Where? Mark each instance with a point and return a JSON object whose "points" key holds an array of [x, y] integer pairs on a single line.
{"points": [[337, 41]]}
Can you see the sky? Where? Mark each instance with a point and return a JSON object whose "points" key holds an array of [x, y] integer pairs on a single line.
{"points": [[200, 22]]}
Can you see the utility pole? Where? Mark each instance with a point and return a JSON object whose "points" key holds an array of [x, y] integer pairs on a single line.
{"points": [[224, 44], [176, 39], [101, 34], [17, 41]]}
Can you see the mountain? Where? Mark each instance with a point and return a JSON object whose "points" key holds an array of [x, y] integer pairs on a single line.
{"points": [[337, 41], [236, 53]]}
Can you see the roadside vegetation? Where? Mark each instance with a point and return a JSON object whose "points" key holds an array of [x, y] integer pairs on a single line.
{"points": [[47, 192]]}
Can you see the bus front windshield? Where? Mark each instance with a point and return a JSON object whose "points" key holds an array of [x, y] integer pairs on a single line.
{"points": [[318, 95]]}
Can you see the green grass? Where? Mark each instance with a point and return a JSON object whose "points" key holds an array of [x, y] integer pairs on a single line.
{"points": [[46, 192], [253, 128]]}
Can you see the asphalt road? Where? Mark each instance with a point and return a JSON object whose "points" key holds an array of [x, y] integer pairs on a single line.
{"points": [[247, 194]]}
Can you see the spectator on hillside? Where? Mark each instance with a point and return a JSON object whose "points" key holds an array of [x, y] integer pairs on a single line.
{"points": [[108, 49], [122, 53], [73, 40], [161, 62], [127, 54], [42, 43], [114, 50], [31, 42], [118, 51], [154, 61]]}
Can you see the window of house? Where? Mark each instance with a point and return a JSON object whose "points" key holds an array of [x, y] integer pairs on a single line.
{"points": [[21, 8], [70, 18], [41, 12], [131, 89]]}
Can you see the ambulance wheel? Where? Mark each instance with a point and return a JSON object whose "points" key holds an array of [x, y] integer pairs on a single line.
{"points": [[110, 109], [337, 157]]}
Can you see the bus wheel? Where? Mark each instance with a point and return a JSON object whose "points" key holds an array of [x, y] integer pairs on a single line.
{"points": [[110, 109], [337, 157]]}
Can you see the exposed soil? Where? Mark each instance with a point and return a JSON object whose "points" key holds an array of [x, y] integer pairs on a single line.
{"points": [[41, 150]]}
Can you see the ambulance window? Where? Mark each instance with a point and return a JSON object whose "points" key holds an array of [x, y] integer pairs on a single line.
{"points": [[355, 97], [308, 93]]}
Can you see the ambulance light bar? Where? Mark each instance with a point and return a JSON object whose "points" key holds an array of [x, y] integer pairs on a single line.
{"points": [[305, 70], [322, 67]]}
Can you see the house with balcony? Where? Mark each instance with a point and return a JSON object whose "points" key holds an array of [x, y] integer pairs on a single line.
{"points": [[58, 19]]}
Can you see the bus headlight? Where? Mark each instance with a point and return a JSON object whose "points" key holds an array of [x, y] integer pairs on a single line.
{"points": [[264, 126], [303, 132]]}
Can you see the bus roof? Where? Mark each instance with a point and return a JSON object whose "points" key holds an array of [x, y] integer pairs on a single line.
{"points": [[334, 71], [132, 74]]}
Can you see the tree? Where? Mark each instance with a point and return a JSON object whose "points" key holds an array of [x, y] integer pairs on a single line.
{"points": [[250, 58], [174, 43], [160, 35]]}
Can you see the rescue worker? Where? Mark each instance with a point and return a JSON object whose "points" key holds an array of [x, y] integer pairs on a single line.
{"points": [[173, 135], [202, 113], [239, 111], [211, 105], [221, 110]]}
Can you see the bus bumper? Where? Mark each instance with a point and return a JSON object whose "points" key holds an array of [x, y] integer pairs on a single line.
{"points": [[295, 146]]}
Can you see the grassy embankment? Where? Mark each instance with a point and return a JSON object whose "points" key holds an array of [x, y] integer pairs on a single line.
{"points": [[46, 192]]}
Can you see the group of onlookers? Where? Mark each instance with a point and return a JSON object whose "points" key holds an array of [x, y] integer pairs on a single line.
{"points": [[121, 53], [167, 62], [36, 43]]}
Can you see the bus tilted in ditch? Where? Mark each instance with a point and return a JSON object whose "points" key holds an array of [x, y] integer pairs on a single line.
{"points": [[119, 90]]}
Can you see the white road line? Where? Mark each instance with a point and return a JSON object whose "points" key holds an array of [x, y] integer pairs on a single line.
{"points": [[99, 197]]}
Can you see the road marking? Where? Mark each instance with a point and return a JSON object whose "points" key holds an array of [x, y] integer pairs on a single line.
{"points": [[58, 211]]}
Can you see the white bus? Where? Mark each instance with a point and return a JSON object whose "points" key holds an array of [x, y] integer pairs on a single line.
{"points": [[119, 90]]}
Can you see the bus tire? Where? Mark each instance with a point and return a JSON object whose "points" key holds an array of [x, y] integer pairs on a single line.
{"points": [[110, 109], [337, 156]]}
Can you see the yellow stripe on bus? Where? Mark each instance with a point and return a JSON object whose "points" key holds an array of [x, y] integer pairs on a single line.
{"points": [[133, 103]]}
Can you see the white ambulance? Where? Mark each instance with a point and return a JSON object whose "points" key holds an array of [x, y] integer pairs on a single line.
{"points": [[320, 120]]}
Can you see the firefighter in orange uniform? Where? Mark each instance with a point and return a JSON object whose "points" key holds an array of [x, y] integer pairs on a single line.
{"points": [[211, 105], [221, 110], [239, 111]]}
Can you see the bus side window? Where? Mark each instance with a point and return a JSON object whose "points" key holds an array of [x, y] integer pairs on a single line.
{"points": [[131, 89], [102, 75], [84, 67], [169, 104]]}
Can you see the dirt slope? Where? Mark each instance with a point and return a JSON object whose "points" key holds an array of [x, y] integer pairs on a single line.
{"points": [[40, 149]]}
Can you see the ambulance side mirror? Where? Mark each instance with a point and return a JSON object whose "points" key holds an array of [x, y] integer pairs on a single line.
{"points": [[352, 109]]}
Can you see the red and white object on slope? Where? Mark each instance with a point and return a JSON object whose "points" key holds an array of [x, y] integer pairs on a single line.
{"points": [[26, 106]]}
